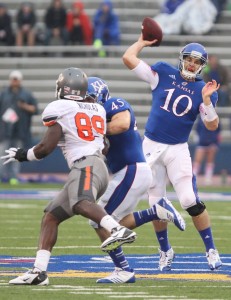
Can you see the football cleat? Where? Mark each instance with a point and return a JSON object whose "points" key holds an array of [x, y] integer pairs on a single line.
{"points": [[213, 259], [119, 276], [31, 278], [166, 259], [166, 212], [119, 236]]}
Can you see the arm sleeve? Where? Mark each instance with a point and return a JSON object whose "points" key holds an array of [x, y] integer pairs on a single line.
{"points": [[145, 73]]}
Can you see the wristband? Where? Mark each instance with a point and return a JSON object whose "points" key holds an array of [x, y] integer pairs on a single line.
{"points": [[21, 155], [210, 113], [30, 154]]}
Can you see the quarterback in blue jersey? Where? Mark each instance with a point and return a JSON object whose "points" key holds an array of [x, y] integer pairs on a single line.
{"points": [[178, 96], [131, 177]]}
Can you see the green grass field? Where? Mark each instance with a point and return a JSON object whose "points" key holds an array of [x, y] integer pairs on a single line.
{"points": [[20, 224]]}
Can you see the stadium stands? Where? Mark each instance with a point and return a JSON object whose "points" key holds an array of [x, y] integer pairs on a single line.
{"points": [[41, 64]]}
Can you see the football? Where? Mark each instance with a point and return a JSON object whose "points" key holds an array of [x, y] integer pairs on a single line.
{"points": [[151, 30]]}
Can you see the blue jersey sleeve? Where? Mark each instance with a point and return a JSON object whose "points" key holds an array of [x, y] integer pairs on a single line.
{"points": [[114, 106], [160, 66], [126, 147]]}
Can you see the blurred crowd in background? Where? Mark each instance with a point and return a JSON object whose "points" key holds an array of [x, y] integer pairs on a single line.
{"points": [[62, 25], [189, 16], [69, 24]]}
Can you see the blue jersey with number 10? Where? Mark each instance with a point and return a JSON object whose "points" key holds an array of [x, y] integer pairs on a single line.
{"points": [[126, 147], [175, 106]]}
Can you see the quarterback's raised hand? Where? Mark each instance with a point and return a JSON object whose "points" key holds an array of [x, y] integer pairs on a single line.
{"points": [[208, 90], [14, 154]]}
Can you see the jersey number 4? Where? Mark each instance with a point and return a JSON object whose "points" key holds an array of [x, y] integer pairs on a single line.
{"points": [[87, 125]]}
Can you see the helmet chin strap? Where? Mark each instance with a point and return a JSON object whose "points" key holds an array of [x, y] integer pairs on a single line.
{"points": [[188, 75]]}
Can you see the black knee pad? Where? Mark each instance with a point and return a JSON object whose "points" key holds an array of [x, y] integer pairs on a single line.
{"points": [[197, 209]]}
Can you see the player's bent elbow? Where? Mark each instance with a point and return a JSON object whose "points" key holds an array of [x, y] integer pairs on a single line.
{"points": [[127, 61], [212, 126], [124, 127]]}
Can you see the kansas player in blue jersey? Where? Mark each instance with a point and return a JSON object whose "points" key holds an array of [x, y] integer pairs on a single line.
{"points": [[130, 179], [178, 96], [206, 150]]}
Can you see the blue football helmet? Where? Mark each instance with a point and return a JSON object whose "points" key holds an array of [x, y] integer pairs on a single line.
{"points": [[194, 50], [98, 89]]}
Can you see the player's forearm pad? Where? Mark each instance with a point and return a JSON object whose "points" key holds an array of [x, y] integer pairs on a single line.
{"points": [[210, 112], [30, 155]]}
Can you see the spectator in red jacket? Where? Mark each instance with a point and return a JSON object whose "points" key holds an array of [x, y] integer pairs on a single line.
{"points": [[79, 25]]}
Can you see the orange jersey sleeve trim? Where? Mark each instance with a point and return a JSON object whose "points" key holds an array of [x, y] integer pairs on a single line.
{"points": [[50, 121]]}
